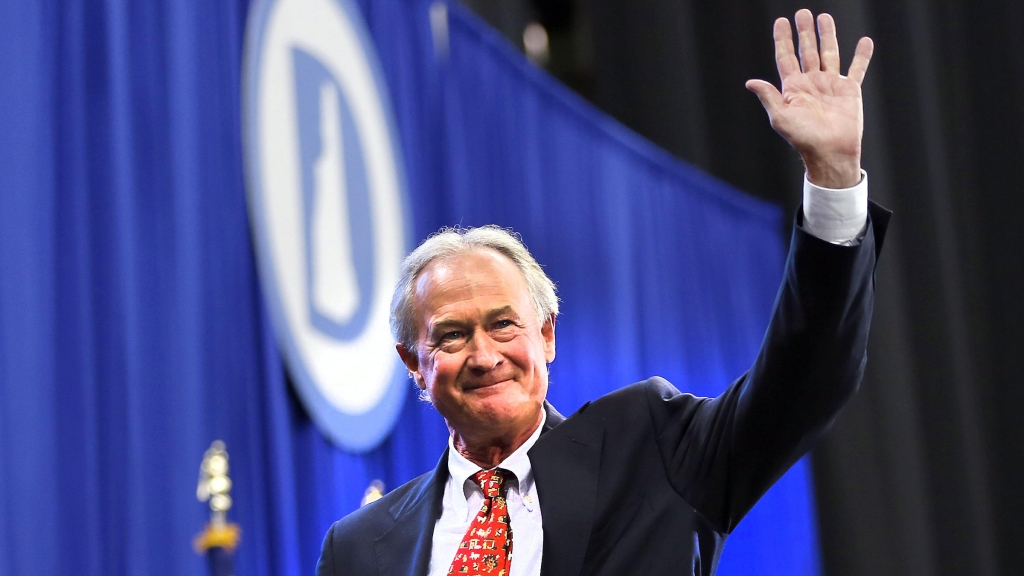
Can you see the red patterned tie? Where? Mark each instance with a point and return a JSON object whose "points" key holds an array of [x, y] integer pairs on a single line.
{"points": [[486, 549]]}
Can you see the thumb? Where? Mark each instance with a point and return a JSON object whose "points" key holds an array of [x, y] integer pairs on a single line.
{"points": [[769, 95]]}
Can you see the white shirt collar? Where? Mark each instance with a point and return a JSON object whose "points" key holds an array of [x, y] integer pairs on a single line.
{"points": [[461, 469]]}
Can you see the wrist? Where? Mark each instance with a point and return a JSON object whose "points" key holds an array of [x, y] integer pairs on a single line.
{"points": [[834, 173]]}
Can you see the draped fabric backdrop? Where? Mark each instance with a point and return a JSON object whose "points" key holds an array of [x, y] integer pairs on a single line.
{"points": [[132, 330]]}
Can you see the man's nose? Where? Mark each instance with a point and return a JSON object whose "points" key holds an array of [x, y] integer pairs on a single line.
{"points": [[484, 354]]}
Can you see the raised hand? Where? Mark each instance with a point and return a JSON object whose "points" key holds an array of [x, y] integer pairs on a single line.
{"points": [[819, 111]]}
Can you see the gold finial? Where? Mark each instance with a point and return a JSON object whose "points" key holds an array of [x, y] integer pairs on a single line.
{"points": [[214, 487], [373, 492]]}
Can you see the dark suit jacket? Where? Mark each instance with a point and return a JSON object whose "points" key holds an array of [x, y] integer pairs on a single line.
{"points": [[648, 480]]}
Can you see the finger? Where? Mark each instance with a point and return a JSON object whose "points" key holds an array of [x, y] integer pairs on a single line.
{"points": [[829, 44], [861, 59], [785, 55], [808, 41], [769, 95]]}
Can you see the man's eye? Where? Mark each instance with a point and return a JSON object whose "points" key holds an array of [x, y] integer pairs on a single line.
{"points": [[450, 336], [503, 324]]}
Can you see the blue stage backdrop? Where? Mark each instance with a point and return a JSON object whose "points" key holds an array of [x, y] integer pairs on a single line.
{"points": [[132, 326]]}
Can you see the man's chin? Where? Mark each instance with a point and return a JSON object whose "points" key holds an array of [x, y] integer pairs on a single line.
{"points": [[502, 415]]}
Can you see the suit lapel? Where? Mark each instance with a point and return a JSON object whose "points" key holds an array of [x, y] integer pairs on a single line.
{"points": [[406, 547], [566, 462]]}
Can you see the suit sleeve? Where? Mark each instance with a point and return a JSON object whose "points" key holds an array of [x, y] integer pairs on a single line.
{"points": [[723, 454]]}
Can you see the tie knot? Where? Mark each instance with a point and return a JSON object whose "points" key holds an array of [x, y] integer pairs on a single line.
{"points": [[492, 482]]}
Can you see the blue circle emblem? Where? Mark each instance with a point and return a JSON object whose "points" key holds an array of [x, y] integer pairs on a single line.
{"points": [[326, 195]]}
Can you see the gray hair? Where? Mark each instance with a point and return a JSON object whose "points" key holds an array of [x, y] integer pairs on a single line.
{"points": [[448, 242]]}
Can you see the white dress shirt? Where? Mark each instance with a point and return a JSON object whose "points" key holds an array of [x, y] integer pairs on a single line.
{"points": [[463, 499], [837, 216]]}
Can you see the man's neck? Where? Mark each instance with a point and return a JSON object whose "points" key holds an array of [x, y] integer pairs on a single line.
{"points": [[492, 451]]}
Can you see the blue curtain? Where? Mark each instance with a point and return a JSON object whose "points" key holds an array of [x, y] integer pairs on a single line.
{"points": [[132, 330]]}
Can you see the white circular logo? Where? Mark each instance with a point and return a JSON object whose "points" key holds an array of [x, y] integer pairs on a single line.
{"points": [[326, 197]]}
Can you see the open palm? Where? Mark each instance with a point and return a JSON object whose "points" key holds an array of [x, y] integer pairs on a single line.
{"points": [[819, 111]]}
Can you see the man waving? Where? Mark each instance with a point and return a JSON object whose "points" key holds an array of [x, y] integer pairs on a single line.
{"points": [[645, 480]]}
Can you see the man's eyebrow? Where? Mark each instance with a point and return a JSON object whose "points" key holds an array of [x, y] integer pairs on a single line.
{"points": [[446, 324], [504, 310]]}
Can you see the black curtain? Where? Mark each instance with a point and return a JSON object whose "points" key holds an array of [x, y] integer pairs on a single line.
{"points": [[921, 474]]}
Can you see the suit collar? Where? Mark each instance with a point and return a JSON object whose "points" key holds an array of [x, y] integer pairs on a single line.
{"points": [[553, 418], [566, 461]]}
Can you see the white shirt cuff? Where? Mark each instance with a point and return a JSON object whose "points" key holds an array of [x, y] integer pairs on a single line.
{"points": [[838, 216]]}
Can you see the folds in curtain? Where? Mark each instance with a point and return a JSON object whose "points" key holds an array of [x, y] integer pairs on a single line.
{"points": [[132, 331]]}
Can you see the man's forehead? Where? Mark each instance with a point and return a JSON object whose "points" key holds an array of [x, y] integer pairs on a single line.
{"points": [[480, 262], [463, 273]]}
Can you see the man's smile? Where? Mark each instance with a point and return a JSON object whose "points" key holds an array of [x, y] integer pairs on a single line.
{"points": [[469, 387]]}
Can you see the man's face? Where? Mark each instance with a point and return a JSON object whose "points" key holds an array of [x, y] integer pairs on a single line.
{"points": [[481, 351]]}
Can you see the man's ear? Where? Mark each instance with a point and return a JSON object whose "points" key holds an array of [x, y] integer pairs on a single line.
{"points": [[547, 331], [412, 364]]}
